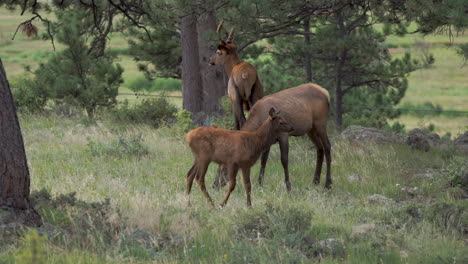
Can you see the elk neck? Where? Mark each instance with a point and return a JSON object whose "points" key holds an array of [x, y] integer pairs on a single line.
{"points": [[265, 136], [231, 61], [255, 120]]}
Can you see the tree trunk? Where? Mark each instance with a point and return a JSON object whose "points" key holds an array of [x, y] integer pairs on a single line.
{"points": [[14, 172], [214, 85], [191, 80], [338, 91], [307, 57]]}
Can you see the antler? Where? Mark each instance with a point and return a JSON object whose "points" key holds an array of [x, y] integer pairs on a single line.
{"points": [[220, 26], [230, 36]]}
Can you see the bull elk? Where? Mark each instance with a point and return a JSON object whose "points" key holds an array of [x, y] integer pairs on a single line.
{"points": [[232, 148], [305, 108], [244, 85]]}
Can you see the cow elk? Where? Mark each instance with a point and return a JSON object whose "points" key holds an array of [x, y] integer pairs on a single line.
{"points": [[234, 149], [244, 86], [305, 108]]}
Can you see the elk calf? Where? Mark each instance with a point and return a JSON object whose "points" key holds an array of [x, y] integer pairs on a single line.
{"points": [[234, 149]]}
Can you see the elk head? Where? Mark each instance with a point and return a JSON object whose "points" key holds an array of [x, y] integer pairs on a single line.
{"points": [[225, 49]]}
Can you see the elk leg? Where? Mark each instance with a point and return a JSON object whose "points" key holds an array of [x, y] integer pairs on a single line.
{"points": [[237, 105], [320, 153], [190, 176], [247, 184], [322, 133], [202, 168], [263, 166], [284, 148], [232, 172]]}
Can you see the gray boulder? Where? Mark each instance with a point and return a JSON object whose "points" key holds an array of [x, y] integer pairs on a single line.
{"points": [[379, 199], [422, 140], [370, 134], [330, 247], [362, 230], [461, 142]]}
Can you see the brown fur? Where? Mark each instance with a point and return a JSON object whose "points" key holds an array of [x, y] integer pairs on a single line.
{"points": [[234, 149], [305, 108], [244, 86]]}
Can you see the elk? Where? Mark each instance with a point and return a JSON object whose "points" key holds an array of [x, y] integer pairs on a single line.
{"points": [[305, 108], [232, 148], [244, 85]]}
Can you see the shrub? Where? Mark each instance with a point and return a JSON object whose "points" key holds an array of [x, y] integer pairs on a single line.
{"points": [[225, 119], [184, 121], [140, 84], [166, 85], [33, 251], [29, 95], [153, 111]]}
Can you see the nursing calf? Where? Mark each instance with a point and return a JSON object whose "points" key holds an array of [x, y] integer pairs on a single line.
{"points": [[234, 149]]}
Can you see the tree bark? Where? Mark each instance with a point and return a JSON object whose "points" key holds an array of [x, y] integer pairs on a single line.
{"points": [[338, 91], [307, 57], [191, 80], [14, 172], [213, 81]]}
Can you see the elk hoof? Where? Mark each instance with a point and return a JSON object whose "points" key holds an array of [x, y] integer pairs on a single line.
{"points": [[288, 186], [329, 186], [316, 181]]}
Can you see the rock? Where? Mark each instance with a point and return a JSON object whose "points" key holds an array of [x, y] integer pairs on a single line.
{"points": [[361, 230], [141, 237], [354, 177], [370, 134], [330, 247], [462, 139], [425, 175], [404, 254], [379, 199], [461, 142], [418, 139], [410, 191], [11, 229], [391, 244], [422, 140], [50, 230]]}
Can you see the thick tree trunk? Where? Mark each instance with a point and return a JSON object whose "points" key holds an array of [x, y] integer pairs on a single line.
{"points": [[307, 57], [14, 172], [338, 91], [191, 80], [214, 84]]}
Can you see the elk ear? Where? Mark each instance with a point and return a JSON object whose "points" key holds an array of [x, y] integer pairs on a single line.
{"points": [[273, 113]]}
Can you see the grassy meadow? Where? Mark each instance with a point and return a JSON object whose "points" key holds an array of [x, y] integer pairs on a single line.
{"points": [[115, 193]]}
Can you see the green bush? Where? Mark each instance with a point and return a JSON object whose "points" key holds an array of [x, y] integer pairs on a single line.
{"points": [[33, 251], [184, 121], [226, 118], [141, 84], [166, 85], [153, 111], [29, 96]]}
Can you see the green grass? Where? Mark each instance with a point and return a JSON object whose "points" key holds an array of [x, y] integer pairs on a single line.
{"points": [[147, 192]]}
